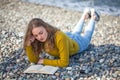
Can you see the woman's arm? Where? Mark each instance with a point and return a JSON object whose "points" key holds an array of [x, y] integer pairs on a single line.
{"points": [[31, 56], [63, 49]]}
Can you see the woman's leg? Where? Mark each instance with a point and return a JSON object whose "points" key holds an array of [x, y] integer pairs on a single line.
{"points": [[88, 32], [78, 28], [85, 38]]}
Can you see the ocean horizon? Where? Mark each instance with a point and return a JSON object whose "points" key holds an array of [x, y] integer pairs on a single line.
{"points": [[110, 7]]}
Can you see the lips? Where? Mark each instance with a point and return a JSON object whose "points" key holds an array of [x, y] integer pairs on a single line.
{"points": [[42, 40]]}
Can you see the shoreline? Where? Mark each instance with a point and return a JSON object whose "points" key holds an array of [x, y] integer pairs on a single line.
{"points": [[102, 7], [100, 61]]}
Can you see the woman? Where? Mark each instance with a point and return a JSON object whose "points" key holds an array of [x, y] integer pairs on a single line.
{"points": [[41, 36]]}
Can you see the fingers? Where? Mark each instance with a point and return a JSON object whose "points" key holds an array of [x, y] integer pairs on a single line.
{"points": [[40, 61], [32, 39]]}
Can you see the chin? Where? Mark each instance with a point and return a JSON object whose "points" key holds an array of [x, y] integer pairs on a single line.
{"points": [[43, 41]]}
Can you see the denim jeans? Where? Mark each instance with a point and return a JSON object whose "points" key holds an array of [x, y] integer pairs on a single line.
{"points": [[84, 39]]}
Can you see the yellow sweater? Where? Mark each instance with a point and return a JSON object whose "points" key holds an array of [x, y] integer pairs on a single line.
{"points": [[64, 48]]}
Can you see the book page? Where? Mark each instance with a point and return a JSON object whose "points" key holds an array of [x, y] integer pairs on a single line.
{"points": [[48, 69], [33, 69]]}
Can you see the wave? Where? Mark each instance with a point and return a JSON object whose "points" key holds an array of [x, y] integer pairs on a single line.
{"points": [[110, 7]]}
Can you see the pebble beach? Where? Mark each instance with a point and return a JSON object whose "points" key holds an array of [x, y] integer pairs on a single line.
{"points": [[101, 61]]}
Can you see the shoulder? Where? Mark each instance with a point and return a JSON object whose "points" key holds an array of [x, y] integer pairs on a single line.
{"points": [[60, 34], [60, 37]]}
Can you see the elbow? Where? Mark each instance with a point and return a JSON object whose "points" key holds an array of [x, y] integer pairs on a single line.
{"points": [[64, 64], [33, 60]]}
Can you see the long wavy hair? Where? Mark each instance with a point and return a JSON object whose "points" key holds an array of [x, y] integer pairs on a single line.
{"points": [[38, 46]]}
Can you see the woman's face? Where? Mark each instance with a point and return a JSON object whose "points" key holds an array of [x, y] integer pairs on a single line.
{"points": [[40, 33]]}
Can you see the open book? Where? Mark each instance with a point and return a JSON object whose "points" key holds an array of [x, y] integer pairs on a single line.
{"points": [[41, 69]]}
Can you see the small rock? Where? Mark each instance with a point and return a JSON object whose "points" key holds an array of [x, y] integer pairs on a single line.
{"points": [[57, 74], [101, 60], [67, 78], [69, 68]]}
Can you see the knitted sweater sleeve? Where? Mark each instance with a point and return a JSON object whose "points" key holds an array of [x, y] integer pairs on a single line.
{"points": [[31, 56]]}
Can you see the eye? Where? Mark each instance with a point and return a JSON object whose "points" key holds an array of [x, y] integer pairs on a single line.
{"points": [[40, 32], [35, 35]]}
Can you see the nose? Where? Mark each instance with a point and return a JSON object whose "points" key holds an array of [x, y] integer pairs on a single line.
{"points": [[39, 37]]}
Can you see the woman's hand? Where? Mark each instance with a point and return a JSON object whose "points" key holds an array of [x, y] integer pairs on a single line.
{"points": [[40, 61], [31, 39]]}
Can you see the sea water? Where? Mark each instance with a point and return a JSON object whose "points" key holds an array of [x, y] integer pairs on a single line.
{"points": [[110, 7]]}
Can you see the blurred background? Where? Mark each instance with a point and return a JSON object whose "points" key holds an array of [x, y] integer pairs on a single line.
{"points": [[111, 7]]}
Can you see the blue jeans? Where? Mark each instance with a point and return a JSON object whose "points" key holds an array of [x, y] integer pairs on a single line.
{"points": [[84, 39]]}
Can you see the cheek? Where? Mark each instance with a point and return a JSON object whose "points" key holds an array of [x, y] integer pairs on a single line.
{"points": [[46, 34], [37, 38]]}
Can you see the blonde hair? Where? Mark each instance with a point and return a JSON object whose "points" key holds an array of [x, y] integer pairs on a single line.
{"points": [[37, 46]]}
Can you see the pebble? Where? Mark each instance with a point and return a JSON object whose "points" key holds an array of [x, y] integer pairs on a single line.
{"points": [[67, 78], [101, 60], [57, 74], [69, 68]]}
